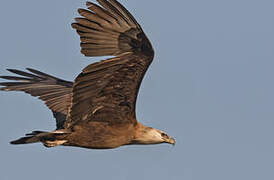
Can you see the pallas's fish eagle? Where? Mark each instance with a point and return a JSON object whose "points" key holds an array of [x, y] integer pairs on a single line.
{"points": [[97, 110]]}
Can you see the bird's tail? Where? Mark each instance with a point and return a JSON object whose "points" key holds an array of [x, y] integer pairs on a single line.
{"points": [[29, 138], [49, 139]]}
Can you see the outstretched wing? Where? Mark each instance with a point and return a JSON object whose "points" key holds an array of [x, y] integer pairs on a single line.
{"points": [[56, 93], [107, 90]]}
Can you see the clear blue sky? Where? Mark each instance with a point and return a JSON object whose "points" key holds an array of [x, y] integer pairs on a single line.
{"points": [[211, 86]]}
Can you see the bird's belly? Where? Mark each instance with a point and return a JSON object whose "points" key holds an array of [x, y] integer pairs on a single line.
{"points": [[96, 143], [98, 138]]}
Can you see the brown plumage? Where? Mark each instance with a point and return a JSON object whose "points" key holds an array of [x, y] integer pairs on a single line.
{"points": [[97, 110]]}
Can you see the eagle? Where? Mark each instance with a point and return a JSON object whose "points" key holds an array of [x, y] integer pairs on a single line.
{"points": [[97, 110]]}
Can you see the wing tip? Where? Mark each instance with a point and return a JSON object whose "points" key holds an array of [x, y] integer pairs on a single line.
{"points": [[30, 69], [12, 70], [88, 4]]}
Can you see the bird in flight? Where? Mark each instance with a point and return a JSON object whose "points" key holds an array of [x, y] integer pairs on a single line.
{"points": [[97, 110]]}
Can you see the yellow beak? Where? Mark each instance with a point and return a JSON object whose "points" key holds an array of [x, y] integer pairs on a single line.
{"points": [[172, 141]]}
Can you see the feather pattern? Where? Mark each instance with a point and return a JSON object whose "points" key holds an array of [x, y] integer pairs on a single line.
{"points": [[55, 92], [108, 30], [106, 91], [97, 110]]}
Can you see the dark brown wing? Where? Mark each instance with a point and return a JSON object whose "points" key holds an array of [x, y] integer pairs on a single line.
{"points": [[56, 93], [107, 90]]}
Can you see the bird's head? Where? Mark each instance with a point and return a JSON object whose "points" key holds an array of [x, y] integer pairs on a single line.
{"points": [[150, 135]]}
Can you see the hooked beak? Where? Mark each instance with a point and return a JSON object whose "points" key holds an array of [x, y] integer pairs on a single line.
{"points": [[171, 141]]}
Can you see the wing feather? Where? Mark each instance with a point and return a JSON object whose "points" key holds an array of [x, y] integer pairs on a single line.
{"points": [[107, 90], [55, 92], [109, 30]]}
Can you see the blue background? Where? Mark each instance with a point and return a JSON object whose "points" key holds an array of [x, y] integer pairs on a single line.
{"points": [[210, 86]]}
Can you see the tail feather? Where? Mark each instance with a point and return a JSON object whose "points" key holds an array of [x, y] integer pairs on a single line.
{"points": [[26, 140], [33, 133], [49, 139]]}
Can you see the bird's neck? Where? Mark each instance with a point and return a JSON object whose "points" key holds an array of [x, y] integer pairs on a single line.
{"points": [[145, 135]]}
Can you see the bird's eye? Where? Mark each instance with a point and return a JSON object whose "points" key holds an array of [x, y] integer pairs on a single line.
{"points": [[164, 135]]}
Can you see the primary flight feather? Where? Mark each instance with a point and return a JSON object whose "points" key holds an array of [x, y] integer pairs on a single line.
{"points": [[97, 110]]}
